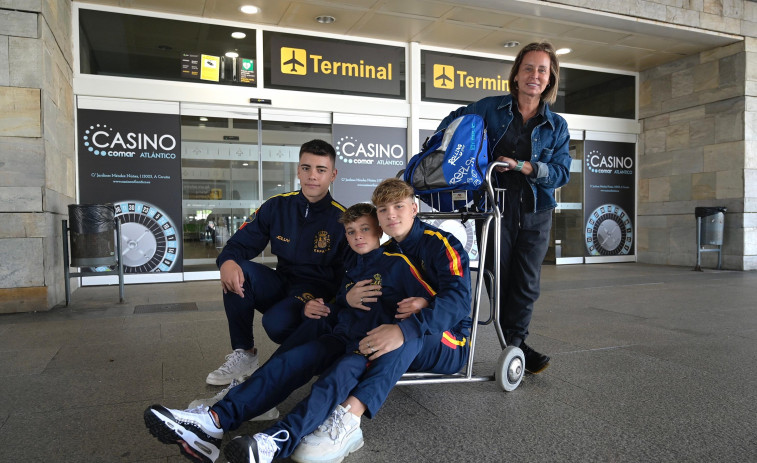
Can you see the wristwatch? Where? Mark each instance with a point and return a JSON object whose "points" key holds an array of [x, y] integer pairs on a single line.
{"points": [[519, 167]]}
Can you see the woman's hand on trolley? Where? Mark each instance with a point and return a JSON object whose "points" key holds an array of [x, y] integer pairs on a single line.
{"points": [[380, 340], [315, 308], [361, 293], [410, 305]]}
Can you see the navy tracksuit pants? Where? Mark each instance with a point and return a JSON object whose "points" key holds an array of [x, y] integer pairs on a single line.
{"points": [[301, 357], [523, 245], [269, 293]]}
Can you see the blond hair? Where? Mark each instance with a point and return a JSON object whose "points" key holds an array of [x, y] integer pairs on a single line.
{"points": [[391, 190]]}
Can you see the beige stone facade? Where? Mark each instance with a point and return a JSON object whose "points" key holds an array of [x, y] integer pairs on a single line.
{"points": [[37, 179]]}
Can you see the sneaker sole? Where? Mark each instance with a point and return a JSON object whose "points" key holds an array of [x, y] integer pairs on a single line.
{"points": [[226, 381], [163, 427], [238, 452], [351, 448]]}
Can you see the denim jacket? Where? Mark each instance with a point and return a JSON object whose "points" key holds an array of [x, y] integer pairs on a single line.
{"points": [[550, 155]]}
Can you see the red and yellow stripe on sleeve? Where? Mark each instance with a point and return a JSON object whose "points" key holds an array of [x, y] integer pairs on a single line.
{"points": [[415, 273], [455, 264]]}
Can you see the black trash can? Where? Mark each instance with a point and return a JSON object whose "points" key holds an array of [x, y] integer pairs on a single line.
{"points": [[93, 239], [711, 226]]}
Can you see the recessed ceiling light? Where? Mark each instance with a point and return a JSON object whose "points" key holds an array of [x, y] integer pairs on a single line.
{"points": [[245, 164], [325, 19], [249, 9], [563, 51], [238, 35], [232, 54], [204, 119], [511, 44]]}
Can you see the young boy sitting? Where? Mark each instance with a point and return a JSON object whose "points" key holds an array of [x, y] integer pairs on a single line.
{"points": [[198, 432]]}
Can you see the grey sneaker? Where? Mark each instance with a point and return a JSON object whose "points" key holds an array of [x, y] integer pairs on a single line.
{"points": [[336, 438], [192, 430], [238, 365], [260, 448], [271, 414]]}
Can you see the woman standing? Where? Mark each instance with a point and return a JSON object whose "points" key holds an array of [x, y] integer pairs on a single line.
{"points": [[533, 141]]}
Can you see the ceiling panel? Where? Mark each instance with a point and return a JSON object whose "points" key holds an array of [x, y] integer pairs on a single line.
{"points": [[229, 10], [190, 7], [449, 34], [391, 27], [417, 7], [541, 26], [482, 17], [302, 16]]}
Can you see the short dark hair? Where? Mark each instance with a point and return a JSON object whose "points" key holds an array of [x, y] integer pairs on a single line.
{"points": [[354, 212], [550, 93], [319, 148]]}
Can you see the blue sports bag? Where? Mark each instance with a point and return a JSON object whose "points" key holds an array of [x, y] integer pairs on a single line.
{"points": [[451, 165]]}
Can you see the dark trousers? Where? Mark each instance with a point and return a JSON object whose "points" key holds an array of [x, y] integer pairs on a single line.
{"points": [[436, 353], [270, 294], [523, 245]]}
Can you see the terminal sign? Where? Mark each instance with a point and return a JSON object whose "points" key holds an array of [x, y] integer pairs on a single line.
{"points": [[463, 79], [314, 64]]}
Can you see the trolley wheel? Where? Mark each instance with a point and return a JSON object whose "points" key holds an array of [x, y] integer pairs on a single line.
{"points": [[510, 368]]}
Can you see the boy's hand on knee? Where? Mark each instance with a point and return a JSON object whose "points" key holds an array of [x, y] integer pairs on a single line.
{"points": [[232, 278], [316, 309], [381, 340]]}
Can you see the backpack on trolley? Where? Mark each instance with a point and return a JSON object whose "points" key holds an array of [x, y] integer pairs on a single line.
{"points": [[451, 165]]}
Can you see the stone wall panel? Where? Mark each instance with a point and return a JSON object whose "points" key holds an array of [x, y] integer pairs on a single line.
{"points": [[20, 199], [20, 112], [21, 263]]}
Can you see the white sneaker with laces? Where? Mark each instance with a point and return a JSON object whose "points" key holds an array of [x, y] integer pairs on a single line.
{"points": [[260, 448], [238, 365], [336, 438], [271, 414], [192, 430]]}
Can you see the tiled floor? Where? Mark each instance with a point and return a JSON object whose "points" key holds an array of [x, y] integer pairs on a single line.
{"points": [[649, 363]]}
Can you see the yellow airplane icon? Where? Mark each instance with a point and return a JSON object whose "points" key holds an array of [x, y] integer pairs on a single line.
{"points": [[295, 64]]}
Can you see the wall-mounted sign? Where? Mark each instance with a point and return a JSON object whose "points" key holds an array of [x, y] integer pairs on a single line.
{"points": [[190, 65], [315, 64], [462, 79], [132, 160], [609, 191], [210, 67], [246, 71], [364, 157]]}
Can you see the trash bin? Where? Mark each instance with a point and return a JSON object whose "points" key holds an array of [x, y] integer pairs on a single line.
{"points": [[93, 241], [711, 225]]}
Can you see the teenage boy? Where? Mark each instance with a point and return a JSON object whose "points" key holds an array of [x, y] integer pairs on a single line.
{"points": [[433, 336], [198, 432], [304, 233]]}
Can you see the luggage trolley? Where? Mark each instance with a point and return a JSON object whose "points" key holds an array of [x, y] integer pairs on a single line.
{"points": [[511, 364]]}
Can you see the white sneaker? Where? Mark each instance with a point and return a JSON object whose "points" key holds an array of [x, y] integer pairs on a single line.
{"points": [[271, 414], [192, 430], [260, 448], [336, 438], [238, 365]]}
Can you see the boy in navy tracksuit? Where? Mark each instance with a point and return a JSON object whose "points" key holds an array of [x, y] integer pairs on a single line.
{"points": [[433, 337], [304, 233], [198, 432]]}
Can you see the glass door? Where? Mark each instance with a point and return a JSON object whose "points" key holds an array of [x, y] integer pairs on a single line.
{"points": [[566, 244], [232, 161]]}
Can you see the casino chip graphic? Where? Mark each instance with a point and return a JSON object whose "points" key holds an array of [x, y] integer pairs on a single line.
{"points": [[149, 241]]}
